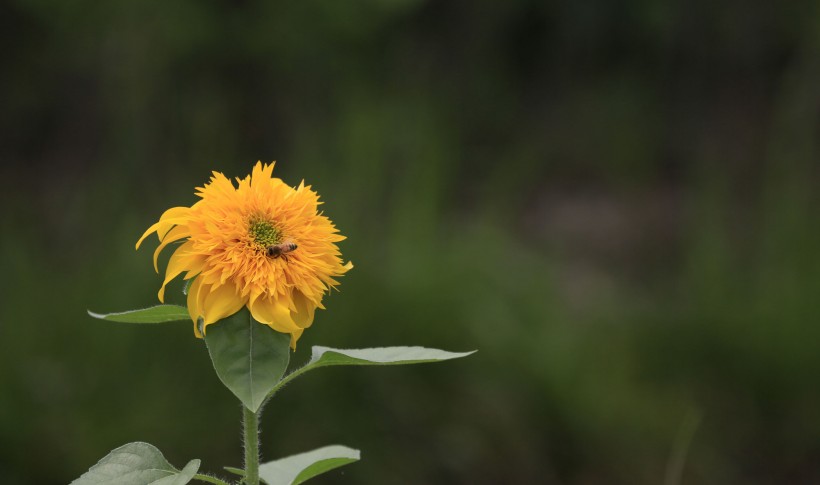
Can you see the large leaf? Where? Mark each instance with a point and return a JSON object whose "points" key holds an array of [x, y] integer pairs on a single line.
{"points": [[154, 314], [326, 356], [249, 357], [137, 464], [323, 356], [296, 469]]}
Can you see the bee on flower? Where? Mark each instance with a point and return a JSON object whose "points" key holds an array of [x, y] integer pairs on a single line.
{"points": [[239, 248], [282, 250]]}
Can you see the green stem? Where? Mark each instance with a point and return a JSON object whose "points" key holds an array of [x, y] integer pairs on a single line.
{"points": [[290, 377], [251, 436], [209, 479]]}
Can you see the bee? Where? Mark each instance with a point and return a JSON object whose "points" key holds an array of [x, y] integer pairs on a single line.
{"points": [[282, 250]]}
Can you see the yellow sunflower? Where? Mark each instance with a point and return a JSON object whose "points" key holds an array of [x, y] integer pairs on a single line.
{"points": [[261, 244]]}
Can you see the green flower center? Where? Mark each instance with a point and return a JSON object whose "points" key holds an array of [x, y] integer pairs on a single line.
{"points": [[263, 233]]}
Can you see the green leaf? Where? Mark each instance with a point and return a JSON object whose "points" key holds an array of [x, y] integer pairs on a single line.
{"points": [[137, 464], [154, 314], [235, 471], [324, 356], [296, 469], [249, 357]]}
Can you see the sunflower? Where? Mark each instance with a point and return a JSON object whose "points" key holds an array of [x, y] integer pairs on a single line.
{"points": [[261, 244]]}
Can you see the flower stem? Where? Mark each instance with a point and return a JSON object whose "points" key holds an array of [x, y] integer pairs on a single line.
{"points": [[251, 436]]}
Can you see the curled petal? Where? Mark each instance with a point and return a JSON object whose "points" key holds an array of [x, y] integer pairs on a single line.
{"points": [[303, 316], [277, 316], [170, 218], [195, 304], [294, 337], [175, 234], [221, 302], [176, 265]]}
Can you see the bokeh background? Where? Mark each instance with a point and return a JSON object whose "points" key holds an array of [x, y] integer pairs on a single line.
{"points": [[615, 202]]}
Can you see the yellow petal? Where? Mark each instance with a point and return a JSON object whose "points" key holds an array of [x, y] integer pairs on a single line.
{"points": [[274, 314], [294, 337], [176, 265], [196, 264], [175, 234], [148, 231], [168, 219], [222, 302], [194, 309], [303, 316], [261, 172]]}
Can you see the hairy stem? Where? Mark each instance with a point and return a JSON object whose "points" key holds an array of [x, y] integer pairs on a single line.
{"points": [[251, 437]]}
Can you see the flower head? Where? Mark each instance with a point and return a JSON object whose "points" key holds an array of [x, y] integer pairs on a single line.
{"points": [[260, 244]]}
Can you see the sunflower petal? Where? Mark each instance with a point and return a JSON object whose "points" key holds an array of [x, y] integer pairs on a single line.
{"points": [[274, 314], [176, 265], [194, 309], [294, 337], [168, 219], [221, 302], [303, 316], [175, 234]]}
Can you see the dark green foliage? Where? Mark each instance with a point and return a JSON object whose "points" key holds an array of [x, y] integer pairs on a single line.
{"points": [[615, 202]]}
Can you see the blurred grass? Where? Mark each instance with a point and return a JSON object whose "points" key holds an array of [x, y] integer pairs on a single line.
{"points": [[617, 207]]}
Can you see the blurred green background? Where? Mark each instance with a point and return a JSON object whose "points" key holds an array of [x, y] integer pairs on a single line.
{"points": [[615, 202]]}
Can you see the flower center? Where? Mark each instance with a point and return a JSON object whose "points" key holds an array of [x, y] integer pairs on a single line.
{"points": [[263, 233]]}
